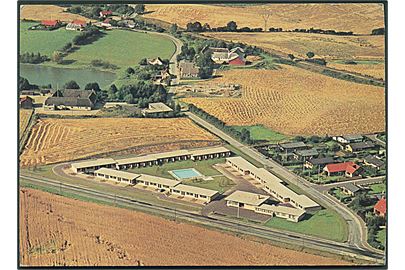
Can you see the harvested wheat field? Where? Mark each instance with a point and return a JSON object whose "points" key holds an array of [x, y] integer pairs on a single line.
{"points": [[359, 18], [294, 101], [48, 12], [57, 140], [58, 231], [25, 116], [325, 46], [373, 70]]}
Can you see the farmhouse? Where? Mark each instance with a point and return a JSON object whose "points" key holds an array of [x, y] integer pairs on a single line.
{"points": [[234, 56], [319, 162], [272, 184], [156, 108], [50, 23], [380, 209], [26, 103], [119, 176], [305, 154], [188, 70], [92, 165], [350, 189], [155, 181], [348, 139], [71, 99], [359, 146], [76, 25], [203, 194], [292, 146], [257, 202], [105, 13], [349, 169], [373, 161]]}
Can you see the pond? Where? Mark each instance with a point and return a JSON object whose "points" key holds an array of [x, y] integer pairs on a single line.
{"points": [[43, 75]]}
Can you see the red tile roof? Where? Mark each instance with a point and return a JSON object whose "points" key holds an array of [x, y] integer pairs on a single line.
{"points": [[381, 206], [237, 61], [49, 22], [79, 22], [25, 98], [349, 167], [106, 12]]}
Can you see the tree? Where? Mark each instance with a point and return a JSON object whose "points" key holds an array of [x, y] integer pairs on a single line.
{"points": [[291, 56], [71, 85], [231, 26], [113, 89], [173, 28], [57, 57], [92, 86], [24, 84], [130, 70], [310, 54], [143, 61], [139, 9]]}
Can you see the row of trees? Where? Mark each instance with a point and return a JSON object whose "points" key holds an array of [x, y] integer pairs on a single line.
{"points": [[88, 36], [321, 31], [243, 135], [230, 27], [33, 58]]}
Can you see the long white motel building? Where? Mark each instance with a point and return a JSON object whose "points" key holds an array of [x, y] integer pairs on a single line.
{"points": [[272, 184], [257, 203], [93, 164], [173, 186]]}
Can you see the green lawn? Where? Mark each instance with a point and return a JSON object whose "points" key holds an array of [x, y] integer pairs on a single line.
{"points": [[44, 42], [204, 167], [324, 223], [220, 183], [377, 188], [259, 132], [381, 236], [339, 194], [124, 48]]}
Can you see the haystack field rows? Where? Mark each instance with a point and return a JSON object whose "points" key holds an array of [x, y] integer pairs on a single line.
{"points": [[58, 231], [57, 140], [359, 18], [48, 12], [25, 116], [374, 70], [294, 101], [325, 46]]}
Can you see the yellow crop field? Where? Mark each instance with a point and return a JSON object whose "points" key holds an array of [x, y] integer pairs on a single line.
{"points": [[359, 18], [58, 140], [325, 46], [374, 70], [298, 102], [25, 116], [48, 12]]}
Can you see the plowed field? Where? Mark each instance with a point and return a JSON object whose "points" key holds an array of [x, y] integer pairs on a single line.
{"points": [[25, 116], [58, 231], [57, 140], [298, 102], [359, 18]]}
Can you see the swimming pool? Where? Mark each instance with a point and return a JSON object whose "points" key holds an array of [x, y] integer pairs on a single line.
{"points": [[186, 173]]}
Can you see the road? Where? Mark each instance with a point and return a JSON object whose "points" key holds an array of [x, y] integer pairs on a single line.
{"points": [[357, 231], [343, 249]]}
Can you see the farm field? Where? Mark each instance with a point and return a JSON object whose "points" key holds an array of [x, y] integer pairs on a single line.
{"points": [[60, 231], [260, 133], [48, 12], [58, 140], [323, 223], [25, 116], [359, 18], [376, 70], [109, 48], [324, 46], [294, 101], [32, 41]]}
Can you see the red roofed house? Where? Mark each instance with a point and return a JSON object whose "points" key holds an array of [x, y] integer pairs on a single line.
{"points": [[77, 25], [380, 208], [349, 169], [50, 23], [105, 13], [237, 61]]}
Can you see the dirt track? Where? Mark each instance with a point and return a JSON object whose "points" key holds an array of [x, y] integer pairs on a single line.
{"points": [[59, 231]]}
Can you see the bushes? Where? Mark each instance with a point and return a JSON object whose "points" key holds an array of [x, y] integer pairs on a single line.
{"points": [[87, 37], [378, 31], [103, 64], [32, 58]]}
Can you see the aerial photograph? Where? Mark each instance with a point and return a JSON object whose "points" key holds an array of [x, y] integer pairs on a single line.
{"points": [[209, 134]]}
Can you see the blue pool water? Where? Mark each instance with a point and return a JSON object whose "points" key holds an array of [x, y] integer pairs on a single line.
{"points": [[186, 173]]}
